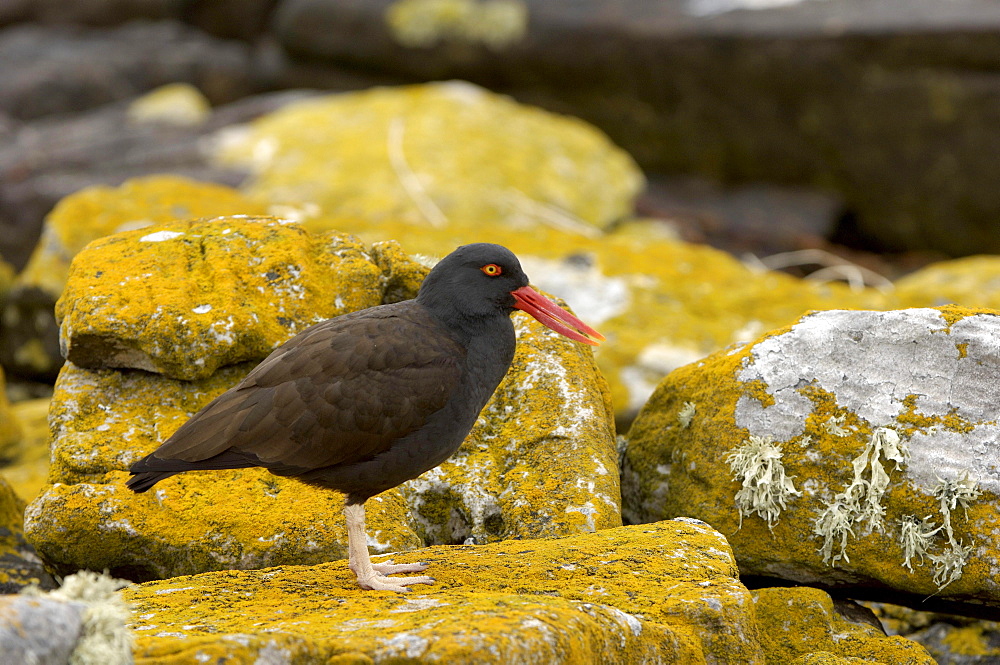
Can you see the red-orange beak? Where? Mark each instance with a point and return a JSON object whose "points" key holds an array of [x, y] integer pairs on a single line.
{"points": [[555, 317]]}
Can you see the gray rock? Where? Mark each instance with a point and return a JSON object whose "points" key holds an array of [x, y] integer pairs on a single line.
{"points": [[39, 631], [61, 69]]}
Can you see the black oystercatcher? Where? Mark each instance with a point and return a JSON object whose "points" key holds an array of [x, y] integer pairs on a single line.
{"points": [[365, 401]]}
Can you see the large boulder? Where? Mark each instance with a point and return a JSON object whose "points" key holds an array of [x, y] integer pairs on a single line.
{"points": [[449, 155], [665, 592], [851, 450], [162, 315]]}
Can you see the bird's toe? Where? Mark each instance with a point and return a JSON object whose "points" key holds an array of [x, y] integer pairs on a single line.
{"points": [[390, 568], [397, 584]]}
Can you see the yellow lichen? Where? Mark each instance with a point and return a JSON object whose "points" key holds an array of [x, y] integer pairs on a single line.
{"points": [[885, 518], [29, 465], [799, 621], [587, 598], [185, 298], [99, 211], [968, 641], [429, 156]]}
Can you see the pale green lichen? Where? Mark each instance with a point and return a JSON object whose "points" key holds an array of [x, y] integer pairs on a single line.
{"points": [[951, 494], [686, 415], [834, 524], [834, 426], [757, 466], [948, 565], [861, 501], [105, 637], [915, 535]]}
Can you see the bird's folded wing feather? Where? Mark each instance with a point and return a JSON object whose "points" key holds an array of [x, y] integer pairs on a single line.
{"points": [[341, 392]]}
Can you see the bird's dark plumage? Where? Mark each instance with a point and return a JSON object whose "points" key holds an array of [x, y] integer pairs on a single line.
{"points": [[365, 401]]}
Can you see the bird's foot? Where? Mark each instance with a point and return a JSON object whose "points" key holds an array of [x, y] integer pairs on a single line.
{"points": [[389, 568], [379, 582]]}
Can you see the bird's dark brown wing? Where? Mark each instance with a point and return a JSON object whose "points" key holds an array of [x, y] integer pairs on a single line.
{"points": [[340, 392]]}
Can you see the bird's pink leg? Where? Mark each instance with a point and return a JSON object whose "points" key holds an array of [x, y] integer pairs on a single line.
{"points": [[373, 576]]}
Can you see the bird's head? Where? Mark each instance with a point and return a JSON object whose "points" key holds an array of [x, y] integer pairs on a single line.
{"points": [[483, 280]]}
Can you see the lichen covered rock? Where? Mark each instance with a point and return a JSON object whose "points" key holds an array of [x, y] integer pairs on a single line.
{"points": [[439, 154], [541, 461], [803, 622], [188, 297], [664, 592], [30, 342], [19, 565], [97, 212], [27, 468], [853, 448]]}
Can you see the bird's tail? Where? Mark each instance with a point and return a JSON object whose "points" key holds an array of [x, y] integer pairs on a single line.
{"points": [[141, 482]]}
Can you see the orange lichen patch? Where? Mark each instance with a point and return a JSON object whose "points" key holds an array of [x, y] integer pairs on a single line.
{"points": [[912, 420], [970, 640], [952, 314], [18, 564], [99, 211], [401, 275], [795, 622], [11, 431], [656, 592], [185, 298], [666, 465]]}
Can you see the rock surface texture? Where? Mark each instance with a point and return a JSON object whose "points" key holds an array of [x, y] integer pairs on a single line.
{"points": [[853, 449], [665, 593]]}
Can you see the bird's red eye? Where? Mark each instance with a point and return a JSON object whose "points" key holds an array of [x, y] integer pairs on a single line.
{"points": [[492, 269]]}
